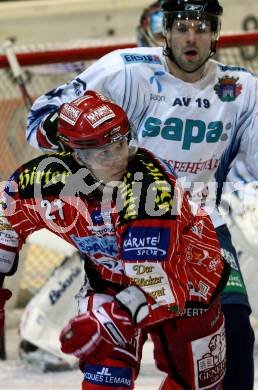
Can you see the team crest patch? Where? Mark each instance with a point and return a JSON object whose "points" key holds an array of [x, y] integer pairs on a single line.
{"points": [[228, 88]]}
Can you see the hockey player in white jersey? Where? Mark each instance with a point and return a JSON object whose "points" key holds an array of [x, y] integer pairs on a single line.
{"points": [[195, 113]]}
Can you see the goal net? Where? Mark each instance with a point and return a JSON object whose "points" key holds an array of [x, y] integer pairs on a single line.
{"points": [[45, 67]]}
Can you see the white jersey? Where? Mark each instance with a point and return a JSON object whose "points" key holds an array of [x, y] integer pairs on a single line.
{"points": [[197, 127]]}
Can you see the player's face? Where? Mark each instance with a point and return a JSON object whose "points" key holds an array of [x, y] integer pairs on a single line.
{"points": [[190, 42], [110, 162]]}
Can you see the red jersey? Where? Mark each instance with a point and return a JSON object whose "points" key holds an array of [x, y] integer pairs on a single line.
{"points": [[140, 231]]}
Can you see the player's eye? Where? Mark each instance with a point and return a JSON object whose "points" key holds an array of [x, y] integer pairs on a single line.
{"points": [[182, 28]]}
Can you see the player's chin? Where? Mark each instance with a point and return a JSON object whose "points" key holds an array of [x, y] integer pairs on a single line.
{"points": [[191, 66]]}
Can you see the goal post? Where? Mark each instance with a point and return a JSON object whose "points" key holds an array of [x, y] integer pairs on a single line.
{"points": [[47, 66]]}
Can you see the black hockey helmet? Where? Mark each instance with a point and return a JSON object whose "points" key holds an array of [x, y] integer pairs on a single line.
{"points": [[207, 6], [192, 9]]}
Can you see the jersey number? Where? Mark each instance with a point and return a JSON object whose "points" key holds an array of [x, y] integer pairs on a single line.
{"points": [[48, 205]]}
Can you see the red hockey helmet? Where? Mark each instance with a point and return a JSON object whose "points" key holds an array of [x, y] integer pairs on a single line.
{"points": [[92, 121]]}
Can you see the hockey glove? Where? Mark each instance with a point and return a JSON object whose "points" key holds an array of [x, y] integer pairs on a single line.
{"points": [[92, 336], [4, 296], [47, 132]]}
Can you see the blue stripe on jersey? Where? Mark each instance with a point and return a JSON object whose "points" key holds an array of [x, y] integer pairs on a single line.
{"points": [[230, 153], [143, 115], [136, 111], [224, 166], [226, 159], [127, 88]]}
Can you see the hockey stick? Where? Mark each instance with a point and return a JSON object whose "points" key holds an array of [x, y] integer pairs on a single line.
{"points": [[17, 72]]}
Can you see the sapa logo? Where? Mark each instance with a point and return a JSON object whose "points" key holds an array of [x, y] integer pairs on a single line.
{"points": [[188, 131]]}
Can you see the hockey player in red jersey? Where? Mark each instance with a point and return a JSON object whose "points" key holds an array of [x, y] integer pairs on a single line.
{"points": [[158, 265]]}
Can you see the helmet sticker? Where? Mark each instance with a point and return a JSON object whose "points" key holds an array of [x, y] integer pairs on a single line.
{"points": [[70, 114], [99, 115]]}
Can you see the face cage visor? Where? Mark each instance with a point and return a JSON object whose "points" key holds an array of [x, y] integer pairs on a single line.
{"points": [[130, 137], [208, 23]]}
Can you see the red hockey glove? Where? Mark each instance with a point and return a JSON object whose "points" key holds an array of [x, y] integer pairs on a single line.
{"points": [[4, 296], [47, 132], [92, 336]]}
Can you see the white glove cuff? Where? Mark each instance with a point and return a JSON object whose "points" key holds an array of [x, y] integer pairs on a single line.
{"points": [[135, 301]]}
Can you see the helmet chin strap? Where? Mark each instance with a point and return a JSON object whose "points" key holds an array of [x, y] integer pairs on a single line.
{"points": [[169, 53]]}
